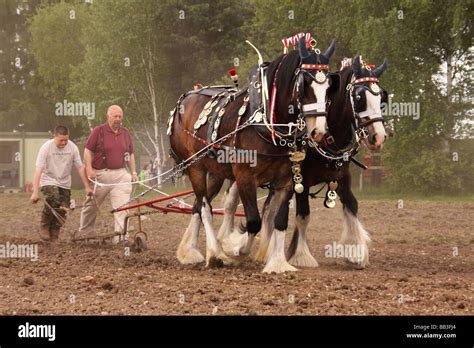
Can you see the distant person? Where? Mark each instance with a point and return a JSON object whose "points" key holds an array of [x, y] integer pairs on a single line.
{"points": [[53, 175], [108, 151]]}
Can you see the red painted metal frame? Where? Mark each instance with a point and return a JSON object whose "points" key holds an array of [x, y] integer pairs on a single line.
{"points": [[171, 208]]}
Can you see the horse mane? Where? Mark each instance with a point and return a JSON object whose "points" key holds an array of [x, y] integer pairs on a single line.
{"points": [[343, 105], [345, 75], [286, 71]]}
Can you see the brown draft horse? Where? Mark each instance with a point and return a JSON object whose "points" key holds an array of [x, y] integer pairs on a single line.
{"points": [[300, 96]]}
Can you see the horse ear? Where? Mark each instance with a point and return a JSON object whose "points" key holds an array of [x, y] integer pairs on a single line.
{"points": [[356, 66], [303, 49], [330, 49], [377, 72]]}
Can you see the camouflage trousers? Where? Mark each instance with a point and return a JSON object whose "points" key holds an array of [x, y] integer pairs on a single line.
{"points": [[56, 197]]}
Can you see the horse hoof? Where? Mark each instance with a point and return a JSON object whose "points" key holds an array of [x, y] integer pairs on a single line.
{"points": [[214, 262], [278, 266], [357, 264]]}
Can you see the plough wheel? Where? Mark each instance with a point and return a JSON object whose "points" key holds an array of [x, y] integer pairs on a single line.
{"points": [[140, 242]]}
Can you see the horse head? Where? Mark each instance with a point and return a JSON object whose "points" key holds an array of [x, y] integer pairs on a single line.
{"points": [[313, 82], [366, 98]]}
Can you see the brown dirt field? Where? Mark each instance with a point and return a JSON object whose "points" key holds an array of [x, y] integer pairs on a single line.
{"points": [[412, 268]]}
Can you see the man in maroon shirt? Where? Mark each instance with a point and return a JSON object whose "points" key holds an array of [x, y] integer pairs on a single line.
{"points": [[108, 151]]}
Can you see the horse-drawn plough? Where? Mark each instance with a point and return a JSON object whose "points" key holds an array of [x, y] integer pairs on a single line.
{"points": [[137, 236]]}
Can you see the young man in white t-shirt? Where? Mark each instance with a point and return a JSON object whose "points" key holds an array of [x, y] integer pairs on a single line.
{"points": [[53, 175]]}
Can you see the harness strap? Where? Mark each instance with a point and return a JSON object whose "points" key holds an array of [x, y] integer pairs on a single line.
{"points": [[315, 113], [369, 122], [273, 101], [368, 112], [104, 157], [221, 100]]}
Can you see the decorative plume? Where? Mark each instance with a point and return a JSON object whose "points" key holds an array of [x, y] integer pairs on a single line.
{"points": [[234, 77]]}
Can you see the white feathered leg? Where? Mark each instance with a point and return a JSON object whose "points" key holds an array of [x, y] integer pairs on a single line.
{"points": [[355, 235], [213, 248], [301, 256], [187, 252], [276, 262]]}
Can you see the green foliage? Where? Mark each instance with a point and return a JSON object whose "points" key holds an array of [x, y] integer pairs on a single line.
{"points": [[55, 32], [21, 102], [171, 45]]}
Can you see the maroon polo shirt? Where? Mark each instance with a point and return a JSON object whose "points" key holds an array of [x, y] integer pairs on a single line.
{"points": [[116, 147]]}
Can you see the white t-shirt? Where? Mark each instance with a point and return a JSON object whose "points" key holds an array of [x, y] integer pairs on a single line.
{"points": [[57, 163]]}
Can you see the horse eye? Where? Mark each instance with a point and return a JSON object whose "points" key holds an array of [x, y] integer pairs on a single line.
{"points": [[358, 97]]}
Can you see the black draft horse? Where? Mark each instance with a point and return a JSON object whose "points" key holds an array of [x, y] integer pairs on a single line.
{"points": [[356, 108], [290, 73]]}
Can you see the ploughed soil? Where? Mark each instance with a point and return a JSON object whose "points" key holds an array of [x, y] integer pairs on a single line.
{"points": [[421, 262]]}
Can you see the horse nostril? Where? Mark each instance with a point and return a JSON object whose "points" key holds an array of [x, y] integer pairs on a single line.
{"points": [[372, 138], [313, 133]]}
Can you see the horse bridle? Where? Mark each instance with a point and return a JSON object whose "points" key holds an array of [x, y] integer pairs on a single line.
{"points": [[361, 83], [321, 72], [320, 75], [358, 132]]}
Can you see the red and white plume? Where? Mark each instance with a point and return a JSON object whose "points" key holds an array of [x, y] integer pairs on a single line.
{"points": [[293, 40], [233, 74]]}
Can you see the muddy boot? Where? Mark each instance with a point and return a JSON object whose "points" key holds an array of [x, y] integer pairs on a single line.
{"points": [[54, 233], [44, 228]]}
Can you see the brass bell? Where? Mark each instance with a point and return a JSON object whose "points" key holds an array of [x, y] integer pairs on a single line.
{"points": [[299, 188], [329, 203], [296, 169]]}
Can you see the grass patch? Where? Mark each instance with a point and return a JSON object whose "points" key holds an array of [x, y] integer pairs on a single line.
{"points": [[371, 193]]}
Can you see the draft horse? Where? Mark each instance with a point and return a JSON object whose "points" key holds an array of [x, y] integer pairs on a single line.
{"points": [[204, 116]]}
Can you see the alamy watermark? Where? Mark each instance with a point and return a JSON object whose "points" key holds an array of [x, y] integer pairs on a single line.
{"points": [[349, 251], [14, 251], [401, 109], [66, 108], [37, 331], [229, 155]]}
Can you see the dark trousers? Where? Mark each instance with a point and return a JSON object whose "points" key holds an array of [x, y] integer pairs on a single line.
{"points": [[56, 197]]}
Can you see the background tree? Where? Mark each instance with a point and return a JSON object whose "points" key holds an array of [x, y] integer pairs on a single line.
{"points": [[21, 98], [144, 54]]}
